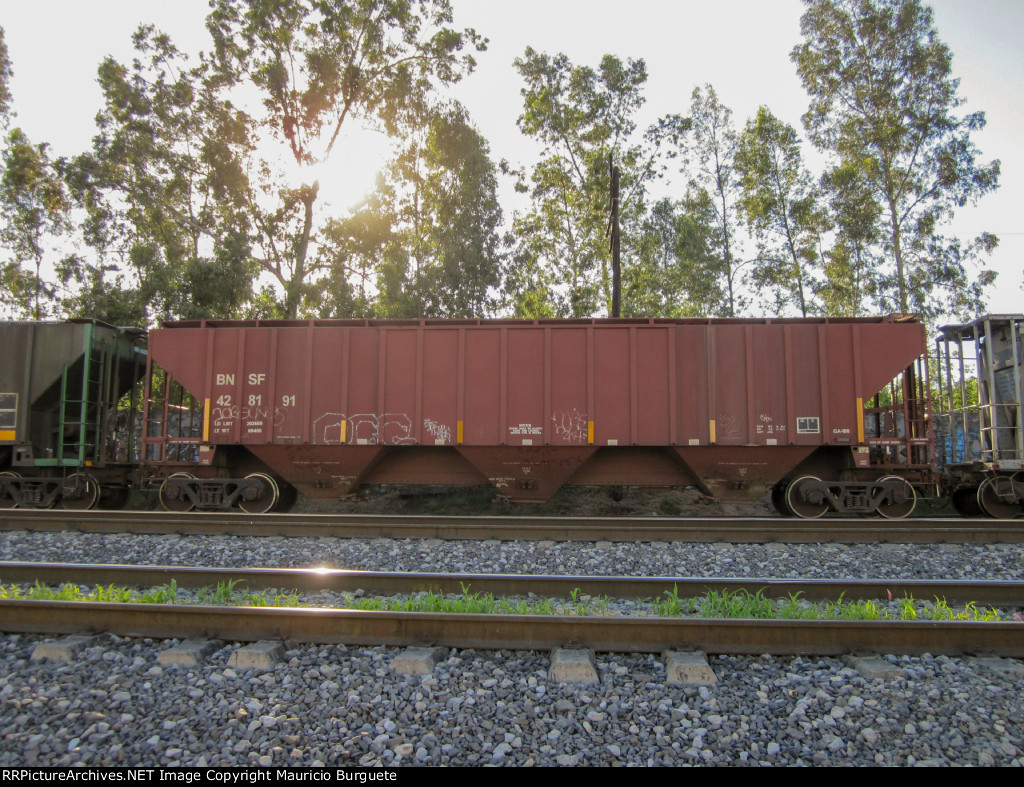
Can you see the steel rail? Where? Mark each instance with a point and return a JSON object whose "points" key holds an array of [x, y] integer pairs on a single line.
{"points": [[992, 593], [624, 529], [514, 632]]}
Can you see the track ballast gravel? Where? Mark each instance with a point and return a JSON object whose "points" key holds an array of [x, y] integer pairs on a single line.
{"points": [[114, 705]]}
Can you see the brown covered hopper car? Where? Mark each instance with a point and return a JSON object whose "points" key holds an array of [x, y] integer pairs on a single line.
{"points": [[829, 414]]}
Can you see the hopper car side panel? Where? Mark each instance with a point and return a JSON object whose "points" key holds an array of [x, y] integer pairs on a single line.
{"points": [[733, 406]]}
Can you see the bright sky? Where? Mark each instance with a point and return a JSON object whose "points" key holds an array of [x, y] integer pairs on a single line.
{"points": [[741, 47]]}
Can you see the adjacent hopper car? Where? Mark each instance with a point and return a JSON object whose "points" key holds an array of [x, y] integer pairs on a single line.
{"points": [[823, 414], [68, 401]]}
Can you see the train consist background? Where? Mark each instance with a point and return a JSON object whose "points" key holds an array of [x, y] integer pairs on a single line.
{"points": [[825, 414]]}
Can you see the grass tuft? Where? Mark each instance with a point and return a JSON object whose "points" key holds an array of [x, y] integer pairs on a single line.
{"points": [[714, 604]]}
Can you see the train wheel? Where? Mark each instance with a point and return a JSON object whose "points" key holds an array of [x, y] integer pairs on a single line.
{"points": [[965, 501], [804, 498], [289, 496], [991, 504], [902, 501], [7, 500], [80, 492], [172, 494], [779, 500], [265, 499]]}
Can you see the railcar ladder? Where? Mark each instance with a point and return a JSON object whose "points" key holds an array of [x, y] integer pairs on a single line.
{"points": [[80, 426]]}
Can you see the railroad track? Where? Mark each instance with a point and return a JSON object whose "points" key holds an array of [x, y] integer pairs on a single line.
{"points": [[514, 632], [492, 631], [993, 593], [721, 529]]}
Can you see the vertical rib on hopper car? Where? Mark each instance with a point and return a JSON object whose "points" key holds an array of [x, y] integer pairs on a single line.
{"points": [[734, 407]]}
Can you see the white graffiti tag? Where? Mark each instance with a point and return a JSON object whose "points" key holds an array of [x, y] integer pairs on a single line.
{"points": [[570, 425], [730, 427], [364, 429], [436, 430]]}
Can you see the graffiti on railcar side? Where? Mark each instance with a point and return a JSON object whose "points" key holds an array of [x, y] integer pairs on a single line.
{"points": [[364, 429], [223, 417], [396, 429], [730, 427], [437, 430], [570, 425], [227, 415]]}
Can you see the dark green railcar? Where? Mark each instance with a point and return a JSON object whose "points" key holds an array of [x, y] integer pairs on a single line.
{"points": [[69, 398]]}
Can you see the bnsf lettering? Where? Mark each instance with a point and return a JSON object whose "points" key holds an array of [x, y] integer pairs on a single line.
{"points": [[225, 379], [257, 379]]}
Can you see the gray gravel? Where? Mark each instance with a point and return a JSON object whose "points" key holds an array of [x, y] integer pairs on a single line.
{"points": [[336, 706], [811, 561]]}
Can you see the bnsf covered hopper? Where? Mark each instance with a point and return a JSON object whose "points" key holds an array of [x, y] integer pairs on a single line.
{"points": [[734, 407]]}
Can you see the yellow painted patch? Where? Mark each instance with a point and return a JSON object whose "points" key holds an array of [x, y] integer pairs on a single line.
{"points": [[7, 435]]}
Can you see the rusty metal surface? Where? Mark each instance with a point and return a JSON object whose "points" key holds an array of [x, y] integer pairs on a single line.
{"points": [[512, 632], [554, 586], [752, 530], [538, 381], [303, 395]]}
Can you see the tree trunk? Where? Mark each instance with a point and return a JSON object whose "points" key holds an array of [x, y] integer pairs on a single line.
{"points": [[293, 295], [898, 254]]}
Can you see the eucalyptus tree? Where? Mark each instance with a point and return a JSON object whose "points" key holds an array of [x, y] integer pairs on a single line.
{"points": [[580, 116], [5, 80], [449, 218], [710, 158], [34, 209], [355, 251], [676, 269], [156, 193], [852, 275], [780, 203], [427, 242], [884, 104], [318, 65]]}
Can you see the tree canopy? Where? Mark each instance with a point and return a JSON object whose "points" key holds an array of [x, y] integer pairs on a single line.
{"points": [[883, 106], [202, 193], [318, 65], [583, 117], [780, 202]]}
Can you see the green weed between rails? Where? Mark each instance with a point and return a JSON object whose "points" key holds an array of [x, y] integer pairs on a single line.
{"points": [[727, 604], [672, 606], [738, 604], [225, 594], [724, 604], [167, 594], [262, 600]]}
